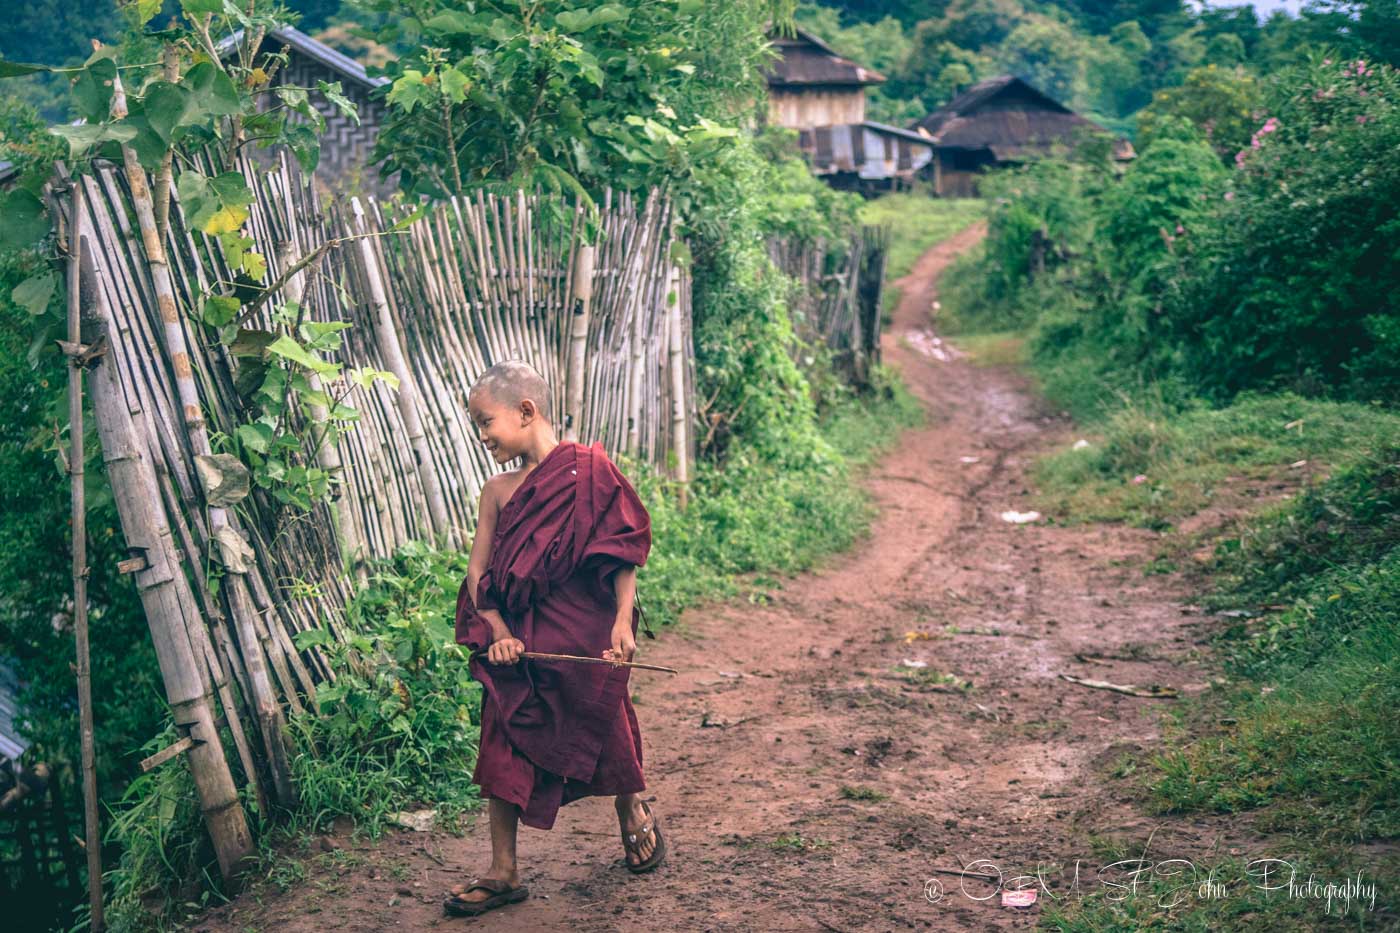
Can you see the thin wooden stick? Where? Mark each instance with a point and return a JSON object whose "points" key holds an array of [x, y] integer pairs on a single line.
{"points": [[575, 657], [76, 457]]}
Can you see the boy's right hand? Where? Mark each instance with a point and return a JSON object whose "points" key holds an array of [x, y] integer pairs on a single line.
{"points": [[505, 650]]}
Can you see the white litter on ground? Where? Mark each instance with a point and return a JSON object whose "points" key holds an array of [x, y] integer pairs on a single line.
{"points": [[911, 662], [968, 459], [931, 346], [1080, 444], [1019, 518], [420, 821]]}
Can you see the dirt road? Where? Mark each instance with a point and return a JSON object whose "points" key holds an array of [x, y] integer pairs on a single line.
{"points": [[811, 708]]}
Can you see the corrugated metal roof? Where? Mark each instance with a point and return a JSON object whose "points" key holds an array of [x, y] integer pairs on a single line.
{"points": [[12, 744], [807, 60], [871, 150]]}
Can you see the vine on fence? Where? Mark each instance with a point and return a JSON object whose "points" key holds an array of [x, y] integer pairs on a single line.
{"points": [[169, 94]]}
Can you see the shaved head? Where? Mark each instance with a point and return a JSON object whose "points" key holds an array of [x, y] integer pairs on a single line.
{"points": [[510, 382]]}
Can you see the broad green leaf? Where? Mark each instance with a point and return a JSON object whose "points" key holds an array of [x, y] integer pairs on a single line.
{"points": [[255, 436], [232, 189], [225, 220], [289, 349], [146, 10], [194, 8], [454, 84], [22, 219], [92, 90], [213, 92], [168, 107], [83, 137], [323, 335], [255, 264], [33, 294], [409, 91], [219, 311]]}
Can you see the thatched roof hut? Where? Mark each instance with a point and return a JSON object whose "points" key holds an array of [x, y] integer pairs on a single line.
{"points": [[998, 121]]}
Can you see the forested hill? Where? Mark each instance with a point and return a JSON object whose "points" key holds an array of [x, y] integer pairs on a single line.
{"points": [[1106, 59]]}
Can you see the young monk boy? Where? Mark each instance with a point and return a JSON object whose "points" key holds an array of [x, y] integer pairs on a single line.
{"points": [[553, 568]]}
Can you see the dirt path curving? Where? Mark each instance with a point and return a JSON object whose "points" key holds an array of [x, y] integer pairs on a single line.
{"points": [[783, 705]]}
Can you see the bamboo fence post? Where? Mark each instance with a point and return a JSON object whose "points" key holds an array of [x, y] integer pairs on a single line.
{"points": [[677, 371], [578, 338], [76, 478], [391, 348], [146, 531], [230, 543]]}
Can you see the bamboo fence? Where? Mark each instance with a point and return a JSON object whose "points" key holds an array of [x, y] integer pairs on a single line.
{"points": [[837, 301], [435, 297]]}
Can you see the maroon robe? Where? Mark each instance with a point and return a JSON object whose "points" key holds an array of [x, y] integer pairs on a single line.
{"points": [[555, 731]]}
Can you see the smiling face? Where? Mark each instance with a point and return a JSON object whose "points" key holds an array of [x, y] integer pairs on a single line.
{"points": [[500, 427]]}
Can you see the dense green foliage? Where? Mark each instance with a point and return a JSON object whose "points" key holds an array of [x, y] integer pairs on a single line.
{"points": [[1276, 272]]}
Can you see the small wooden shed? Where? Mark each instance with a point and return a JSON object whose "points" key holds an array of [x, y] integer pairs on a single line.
{"points": [[999, 121], [821, 94]]}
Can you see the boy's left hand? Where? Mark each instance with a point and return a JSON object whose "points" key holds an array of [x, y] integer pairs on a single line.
{"points": [[623, 644]]}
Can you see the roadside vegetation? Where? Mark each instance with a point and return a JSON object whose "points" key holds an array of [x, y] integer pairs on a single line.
{"points": [[1223, 325]]}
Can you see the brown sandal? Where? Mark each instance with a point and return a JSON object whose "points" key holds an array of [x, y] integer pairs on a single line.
{"points": [[502, 894], [629, 843]]}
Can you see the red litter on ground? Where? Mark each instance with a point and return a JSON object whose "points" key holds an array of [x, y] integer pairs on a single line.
{"points": [[1017, 898]]}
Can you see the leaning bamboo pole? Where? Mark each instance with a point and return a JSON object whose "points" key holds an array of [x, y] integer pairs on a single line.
{"points": [[407, 395], [134, 490], [77, 457], [232, 545]]}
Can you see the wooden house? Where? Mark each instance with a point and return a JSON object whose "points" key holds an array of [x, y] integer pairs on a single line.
{"points": [[821, 94], [999, 121], [346, 145]]}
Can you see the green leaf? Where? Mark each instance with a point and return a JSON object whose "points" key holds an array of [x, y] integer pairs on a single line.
{"points": [[454, 84], [19, 69], [148, 145], [213, 92], [22, 219], [407, 221], [219, 311], [33, 294], [323, 335], [331, 90], [92, 89], [194, 8], [83, 137], [232, 189], [310, 638], [255, 436], [289, 349], [169, 107]]}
